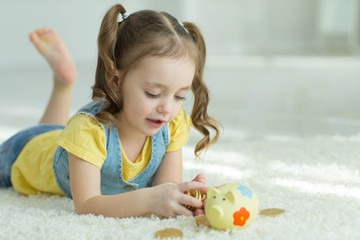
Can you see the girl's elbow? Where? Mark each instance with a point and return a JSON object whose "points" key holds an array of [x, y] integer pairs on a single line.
{"points": [[81, 210]]}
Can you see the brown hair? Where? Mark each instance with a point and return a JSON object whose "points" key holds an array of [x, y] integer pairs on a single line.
{"points": [[122, 45]]}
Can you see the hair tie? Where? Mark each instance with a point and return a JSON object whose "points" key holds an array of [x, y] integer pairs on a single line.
{"points": [[181, 24], [123, 16]]}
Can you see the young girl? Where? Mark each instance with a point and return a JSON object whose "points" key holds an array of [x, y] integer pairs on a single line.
{"points": [[120, 155]]}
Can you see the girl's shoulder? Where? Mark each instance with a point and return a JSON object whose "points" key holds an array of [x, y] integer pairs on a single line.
{"points": [[179, 129]]}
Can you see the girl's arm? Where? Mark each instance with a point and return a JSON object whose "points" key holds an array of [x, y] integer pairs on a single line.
{"points": [[170, 169], [165, 199]]}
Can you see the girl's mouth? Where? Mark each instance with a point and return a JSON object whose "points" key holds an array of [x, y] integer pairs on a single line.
{"points": [[155, 122]]}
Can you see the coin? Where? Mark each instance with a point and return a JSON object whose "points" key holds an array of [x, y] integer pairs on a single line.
{"points": [[169, 233], [271, 212], [198, 194], [202, 220]]}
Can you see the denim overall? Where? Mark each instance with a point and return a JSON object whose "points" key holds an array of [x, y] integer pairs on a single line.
{"points": [[112, 181]]}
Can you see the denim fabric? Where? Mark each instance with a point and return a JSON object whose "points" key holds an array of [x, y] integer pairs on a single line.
{"points": [[112, 181], [11, 149]]}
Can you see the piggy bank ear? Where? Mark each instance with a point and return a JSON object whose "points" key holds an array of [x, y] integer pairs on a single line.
{"points": [[212, 192], [231, 196]]}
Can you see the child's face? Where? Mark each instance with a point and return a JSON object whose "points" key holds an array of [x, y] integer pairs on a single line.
{"points": [[153, 93]]}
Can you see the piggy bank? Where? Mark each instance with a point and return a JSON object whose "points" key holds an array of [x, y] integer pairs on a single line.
{"points": [[231, 206]]}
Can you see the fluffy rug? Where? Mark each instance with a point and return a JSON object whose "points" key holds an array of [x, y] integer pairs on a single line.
{"points": [[315, 180]]}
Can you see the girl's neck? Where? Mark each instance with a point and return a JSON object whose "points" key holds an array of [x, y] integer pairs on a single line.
{"points": [[132, 142]]}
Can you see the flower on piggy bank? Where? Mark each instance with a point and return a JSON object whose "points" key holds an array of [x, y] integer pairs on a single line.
{"points": [[231, 206]]}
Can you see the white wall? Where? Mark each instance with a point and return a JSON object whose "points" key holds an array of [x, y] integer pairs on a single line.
{"points": [[230, 26]]}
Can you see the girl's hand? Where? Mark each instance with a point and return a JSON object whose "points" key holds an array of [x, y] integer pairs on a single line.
{"points": [[168, 199], [201, 178]]}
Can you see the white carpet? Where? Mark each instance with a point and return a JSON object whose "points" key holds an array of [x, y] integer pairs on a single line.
{"points": [[316, 180]]}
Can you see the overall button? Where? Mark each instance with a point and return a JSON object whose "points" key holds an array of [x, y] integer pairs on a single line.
{"points": [[128, 187]]}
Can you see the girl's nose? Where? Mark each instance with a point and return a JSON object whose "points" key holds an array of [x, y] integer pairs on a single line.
{"points": [[165, 107]]}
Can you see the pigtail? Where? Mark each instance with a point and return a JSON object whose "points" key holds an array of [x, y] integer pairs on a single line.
{"points": [[106, 66], [199, 116]]}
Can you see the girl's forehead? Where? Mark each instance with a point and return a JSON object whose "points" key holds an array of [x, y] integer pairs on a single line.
{"points": [[158, 71]]}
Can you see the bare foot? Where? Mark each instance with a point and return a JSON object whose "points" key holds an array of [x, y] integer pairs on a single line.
{"points": [[51, 46]]}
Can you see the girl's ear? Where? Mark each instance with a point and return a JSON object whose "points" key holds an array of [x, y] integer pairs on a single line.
{"points": [[116, 81]]}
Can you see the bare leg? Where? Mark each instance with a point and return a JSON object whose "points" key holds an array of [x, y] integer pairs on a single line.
{"points": [[51, 47]]}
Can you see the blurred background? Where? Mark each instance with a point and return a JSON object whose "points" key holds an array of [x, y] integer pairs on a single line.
{"points": [[274, 67]]}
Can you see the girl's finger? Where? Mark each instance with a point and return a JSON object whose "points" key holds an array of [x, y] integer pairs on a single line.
{"points": [[186, 186], [189, 200]]}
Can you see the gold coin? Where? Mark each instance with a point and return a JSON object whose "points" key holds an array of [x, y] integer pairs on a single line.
{"points": [[202, 220], [271, 212], [198, 194], [169, 233]]}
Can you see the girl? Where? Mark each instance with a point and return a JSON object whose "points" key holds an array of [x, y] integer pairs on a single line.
{"points": [[120, 155]]}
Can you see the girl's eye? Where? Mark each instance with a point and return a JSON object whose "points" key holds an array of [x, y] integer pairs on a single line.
{"points": [[180, 98], [152, 95]]}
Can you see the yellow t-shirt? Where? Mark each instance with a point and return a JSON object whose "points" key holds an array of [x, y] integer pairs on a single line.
{"points": [[84, 137]]}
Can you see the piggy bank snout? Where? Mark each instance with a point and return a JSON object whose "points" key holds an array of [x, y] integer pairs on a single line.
{"points": [[215, 211]]}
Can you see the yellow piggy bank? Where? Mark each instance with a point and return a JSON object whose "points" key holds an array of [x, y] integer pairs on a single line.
{"points": [[231, 206]]}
